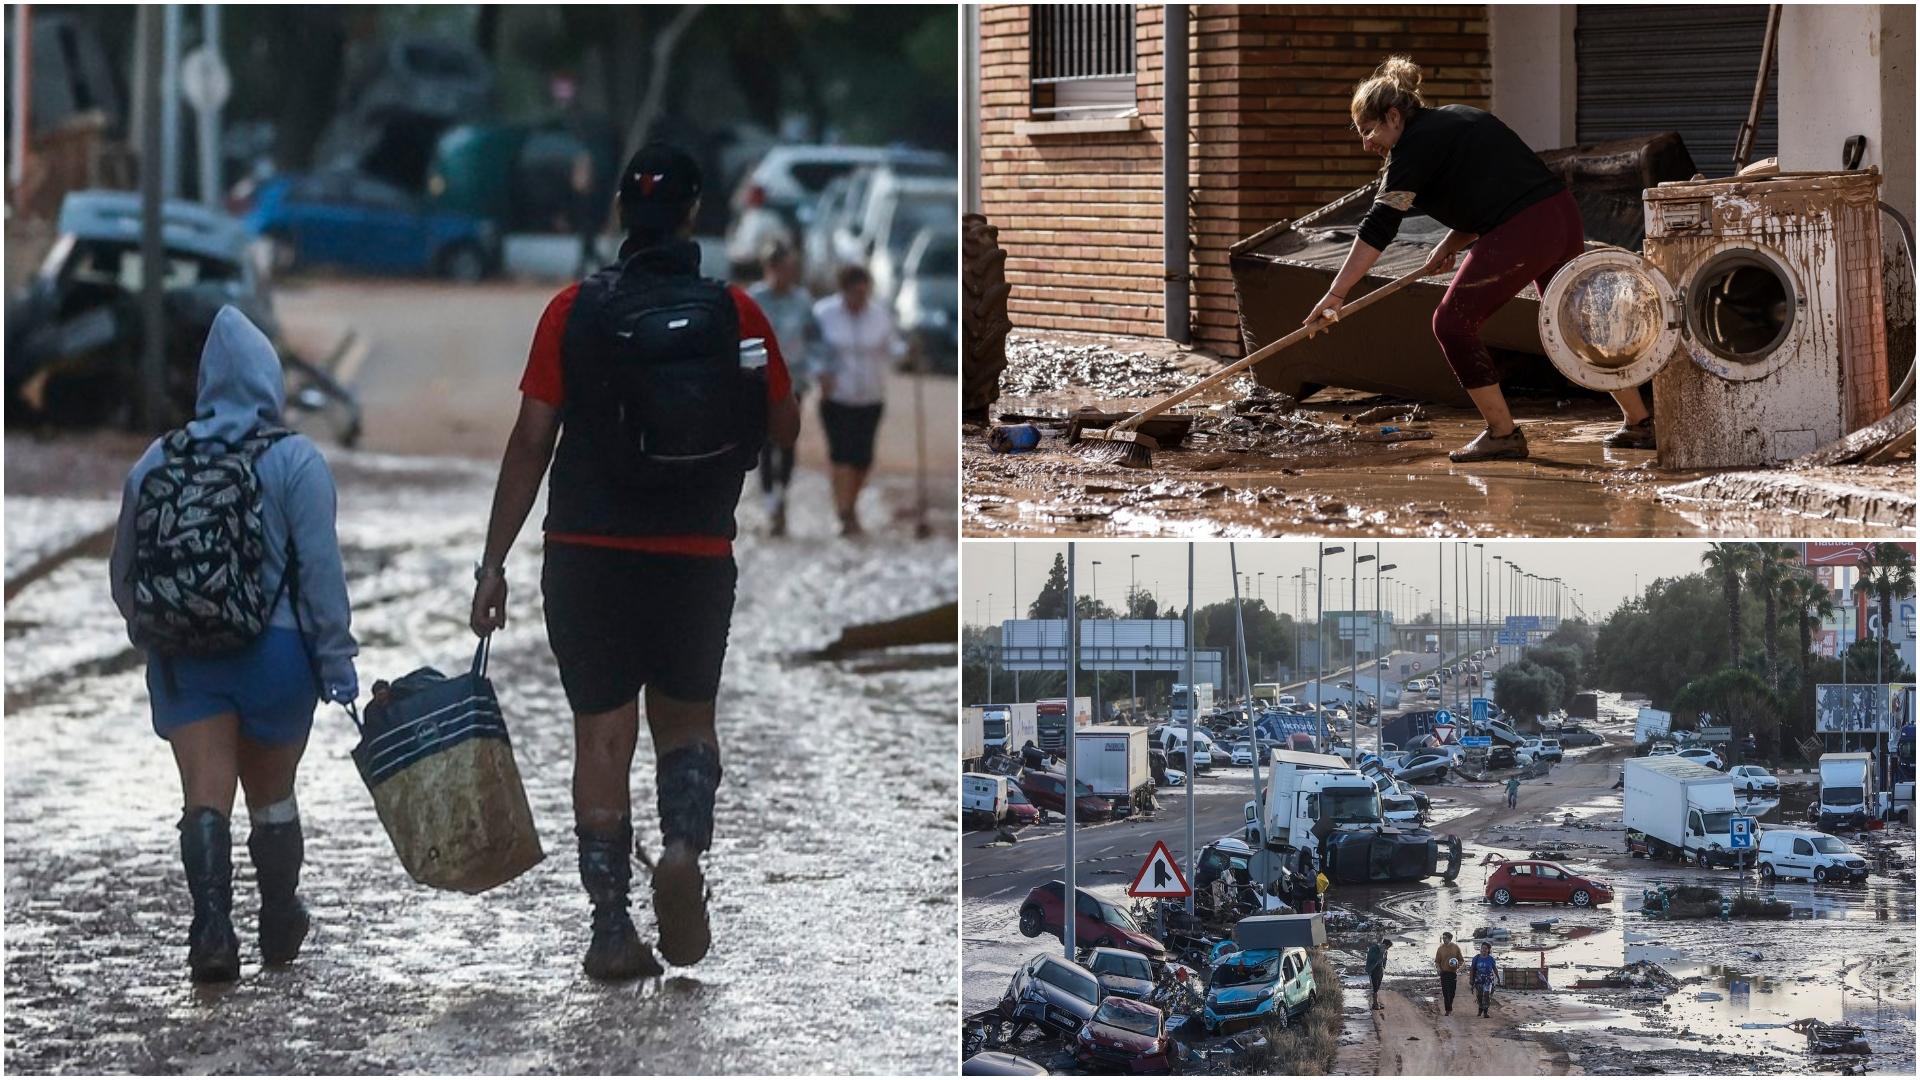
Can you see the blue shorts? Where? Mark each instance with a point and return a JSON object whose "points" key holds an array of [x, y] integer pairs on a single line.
{"points": [[269, 684]]}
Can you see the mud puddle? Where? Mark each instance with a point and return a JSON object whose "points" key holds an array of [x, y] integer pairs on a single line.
{"points": [[1322, 469], [833, 946]]}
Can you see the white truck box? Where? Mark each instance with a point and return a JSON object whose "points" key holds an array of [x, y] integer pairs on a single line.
{"points": [[1112, 760], [1682, 808]]}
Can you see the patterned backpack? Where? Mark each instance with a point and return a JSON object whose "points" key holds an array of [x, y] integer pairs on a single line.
{"points": [[198, 547]]}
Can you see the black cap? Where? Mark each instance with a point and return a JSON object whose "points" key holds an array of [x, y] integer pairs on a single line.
{"points": [[657, 187]]}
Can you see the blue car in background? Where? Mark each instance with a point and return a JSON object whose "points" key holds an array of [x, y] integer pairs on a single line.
{"points": [[347, 218]]}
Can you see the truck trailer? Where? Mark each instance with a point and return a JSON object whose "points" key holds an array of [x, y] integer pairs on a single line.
{"points": [[1112, 760], [1679, 809], [973, 739]]}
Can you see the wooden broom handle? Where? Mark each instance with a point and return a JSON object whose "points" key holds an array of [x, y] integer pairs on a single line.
{"points": [[1255, 357]]}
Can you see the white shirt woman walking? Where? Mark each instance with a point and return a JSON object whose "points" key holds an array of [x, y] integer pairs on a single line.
{"points": [[860, 345]]}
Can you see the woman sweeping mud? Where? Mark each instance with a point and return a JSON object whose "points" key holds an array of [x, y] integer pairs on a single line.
{"points": [[225, 553], [1471, 173]]}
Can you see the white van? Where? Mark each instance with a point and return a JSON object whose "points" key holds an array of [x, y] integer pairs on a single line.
{"points": [[983, 799], [1804, 853]]}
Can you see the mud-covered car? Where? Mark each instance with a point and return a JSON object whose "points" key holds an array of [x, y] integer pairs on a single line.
{"points": [[1521, 881], [1100, 924], [997, 1063], [1122, 973], [1052, 992], [75, 333], [1124, 1036], [1248, 987]]}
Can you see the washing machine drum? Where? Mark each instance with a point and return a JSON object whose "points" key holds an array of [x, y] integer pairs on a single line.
{"points": [[1609, 319]]}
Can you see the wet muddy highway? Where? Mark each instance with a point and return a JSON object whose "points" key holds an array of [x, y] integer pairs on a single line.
{"points": [[833, 911], [1325, 473]]}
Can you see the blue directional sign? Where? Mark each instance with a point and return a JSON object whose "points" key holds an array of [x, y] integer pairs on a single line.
{"points": [[1523, 622], [1742, 834], [1442, 717], [1482, 709], [1476, 740], [1510, 637]]}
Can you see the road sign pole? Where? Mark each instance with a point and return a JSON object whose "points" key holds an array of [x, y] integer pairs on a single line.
{"points": [[1071, 901], [1193, 706]]}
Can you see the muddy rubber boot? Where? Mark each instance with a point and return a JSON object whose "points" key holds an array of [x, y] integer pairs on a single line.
{"points": [[1487, 446], [206, 851], [606, 869], [777, 522], [1633, 436], [278, 851], [688, 780]]}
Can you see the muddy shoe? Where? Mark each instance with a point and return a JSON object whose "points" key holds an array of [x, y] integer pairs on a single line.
{"points": [[777, 522], [606, 869], [206, 851], [1633, 436], [1487, 446], [278, 851], [689, 779]]}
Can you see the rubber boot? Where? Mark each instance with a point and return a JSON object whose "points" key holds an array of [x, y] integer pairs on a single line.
{"points": [[206, 850], [688, 780], [278, 851], [606, 869]]}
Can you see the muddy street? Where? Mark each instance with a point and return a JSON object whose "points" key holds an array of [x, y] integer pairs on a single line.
{"points": [[814, 947], [1325, 471]]}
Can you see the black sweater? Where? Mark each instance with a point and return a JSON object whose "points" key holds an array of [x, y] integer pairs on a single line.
{"points": [[1463, 168]]}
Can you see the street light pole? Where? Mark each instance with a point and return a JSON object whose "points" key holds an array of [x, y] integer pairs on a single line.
{"points": [[1353, 714], [1072, 898], [1133, 568], [1193, 703], [1097, 713], [1320, 633], [1379, 685], [1246, 680]]}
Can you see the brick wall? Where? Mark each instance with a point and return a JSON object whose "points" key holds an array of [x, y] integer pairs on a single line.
{"points": [[1080, 214]]}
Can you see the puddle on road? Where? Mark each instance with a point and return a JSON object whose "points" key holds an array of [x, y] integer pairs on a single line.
{"points": [[818, 964], [1572, 486]]}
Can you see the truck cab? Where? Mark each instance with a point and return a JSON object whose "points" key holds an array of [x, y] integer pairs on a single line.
{"points": [[1846, 791]]}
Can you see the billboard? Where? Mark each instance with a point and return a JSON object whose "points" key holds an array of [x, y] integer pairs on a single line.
{"points": [[1845, 553], [1853, 708]]}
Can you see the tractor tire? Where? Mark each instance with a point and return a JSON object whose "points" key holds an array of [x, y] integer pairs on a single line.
{"points": [[984, 323]]}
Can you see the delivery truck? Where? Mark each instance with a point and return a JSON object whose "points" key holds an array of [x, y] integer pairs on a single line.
{"points": [[1846, 790], [1112, 760], [1180, 704], [1316, 805], [973, 737], [1007, 728], [1679, 809], [1050, 722]]}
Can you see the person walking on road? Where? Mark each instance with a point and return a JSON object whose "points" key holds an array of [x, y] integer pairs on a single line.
{"points": [[1377, 966], [1449, 960], [860, 347], [645, 376], [1483, 976], [790, 311], [1470, 172], [243, 638], [1513, 792]]}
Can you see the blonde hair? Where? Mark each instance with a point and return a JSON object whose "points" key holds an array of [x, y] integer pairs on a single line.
{"points": [[1395, 84]]}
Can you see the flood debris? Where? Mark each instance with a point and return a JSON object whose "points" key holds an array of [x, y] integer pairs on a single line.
{"points": [[1705, 902], [1036, 365], [1824, 1038]]}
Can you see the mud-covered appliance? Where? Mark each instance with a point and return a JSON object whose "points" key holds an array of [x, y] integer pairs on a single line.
{"points": [[1755, 309]]}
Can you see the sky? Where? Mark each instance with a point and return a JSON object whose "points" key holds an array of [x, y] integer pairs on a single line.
{"points": [[1603, 573]]}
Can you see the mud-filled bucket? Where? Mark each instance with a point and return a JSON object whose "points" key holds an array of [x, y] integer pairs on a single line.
{"points": [[434, 753]]}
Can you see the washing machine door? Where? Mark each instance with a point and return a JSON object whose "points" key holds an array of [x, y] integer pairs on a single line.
{"points": [[1609, 319], [1744, 305]]}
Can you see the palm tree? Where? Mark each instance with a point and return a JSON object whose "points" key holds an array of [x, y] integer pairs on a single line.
{"points": [[1730, 561], [1813, 603], [1771, 567], [1892, 579]]}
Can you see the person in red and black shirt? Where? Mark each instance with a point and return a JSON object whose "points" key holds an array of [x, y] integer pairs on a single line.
{"points": [[659, 388]]}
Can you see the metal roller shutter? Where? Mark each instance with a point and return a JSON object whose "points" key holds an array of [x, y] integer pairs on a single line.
{"points": [[1689, 68]]}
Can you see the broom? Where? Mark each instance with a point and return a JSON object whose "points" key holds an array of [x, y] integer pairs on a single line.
{"points": [[1124, 444]]}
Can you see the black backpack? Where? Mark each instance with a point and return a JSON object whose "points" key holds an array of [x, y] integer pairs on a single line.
{"points": [[199, 543]]}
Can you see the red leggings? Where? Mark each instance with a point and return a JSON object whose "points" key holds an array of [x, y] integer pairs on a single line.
{"points": [[1532, 246]]}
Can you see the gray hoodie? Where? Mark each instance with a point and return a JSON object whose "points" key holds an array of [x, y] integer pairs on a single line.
{"points": [[241, 387]]}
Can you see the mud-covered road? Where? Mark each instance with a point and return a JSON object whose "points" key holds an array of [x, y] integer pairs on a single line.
{"points": [[833, 871]]}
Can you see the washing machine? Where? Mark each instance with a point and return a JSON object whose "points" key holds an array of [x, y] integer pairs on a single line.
{"points": [[1755, 309]]}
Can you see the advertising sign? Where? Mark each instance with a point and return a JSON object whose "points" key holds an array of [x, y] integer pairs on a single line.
{"points": [[1851, 708]]}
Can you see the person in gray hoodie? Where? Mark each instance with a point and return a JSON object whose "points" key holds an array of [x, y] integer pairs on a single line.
{"points": [[242, 717]]}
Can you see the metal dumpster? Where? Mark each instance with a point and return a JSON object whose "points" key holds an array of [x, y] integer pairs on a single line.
{"points": [[1280, 271]]}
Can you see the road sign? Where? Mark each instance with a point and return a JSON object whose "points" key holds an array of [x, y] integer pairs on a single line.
{"points": [[1742, 835], [1160, 876], [1441, 717], [1443, 732], [1523, 622], [1715, 734], [204, 79], [1476, 740], [1510, 637], [1416, 665], [1482, 708]]}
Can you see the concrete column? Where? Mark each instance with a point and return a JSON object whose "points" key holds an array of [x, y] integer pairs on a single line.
{"points": [[1847, 69], [1531, 49]]}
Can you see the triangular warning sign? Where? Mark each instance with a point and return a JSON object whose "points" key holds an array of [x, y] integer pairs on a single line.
{"points": [[1159, 876], [1443, 732]]}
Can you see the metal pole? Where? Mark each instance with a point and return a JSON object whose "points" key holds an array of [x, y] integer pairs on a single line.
{"points": [[1133, 565], [1014, 550], [21, 92], [208, 134], [1071, 901], [1246, 680], [151, 411], [170, 103], [992, 648], [1193, 699], [1098, 715], [1173, 172], [1353, 673], [1319, 626], [970, 77]]}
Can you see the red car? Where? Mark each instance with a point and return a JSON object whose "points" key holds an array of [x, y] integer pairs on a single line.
{"points": [[1048, 792], [1020, 808], [1531, 881], [1123, 1036], [1100, 924]]}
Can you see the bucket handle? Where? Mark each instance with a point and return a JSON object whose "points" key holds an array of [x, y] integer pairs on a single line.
{"points": [[480, 657]]}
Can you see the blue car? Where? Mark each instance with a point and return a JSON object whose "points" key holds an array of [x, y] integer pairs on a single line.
{"points": [[349, 219], [1257, 986]]}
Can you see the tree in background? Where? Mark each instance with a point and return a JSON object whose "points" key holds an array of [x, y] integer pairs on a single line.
{"points": [[1528, 688], [1729, 562], [1768, 569], [1741, 700], [1564, 661], [1668, 638], [1886, 571], [1052, 601], [1576, 634]]}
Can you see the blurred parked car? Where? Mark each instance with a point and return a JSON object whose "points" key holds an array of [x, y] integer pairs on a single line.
{"points": [[898, 204], [349, 219], [1100, 924], [1020, 810], [74, 334], [928, 303], [1053, 992], [1754, 780], [1124, 1036], [1702, 756], [1535, 881], [777, 197]]}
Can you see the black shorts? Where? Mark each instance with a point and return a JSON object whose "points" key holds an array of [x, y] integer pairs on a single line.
{"points": [[620, 621], [850, 431]]}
